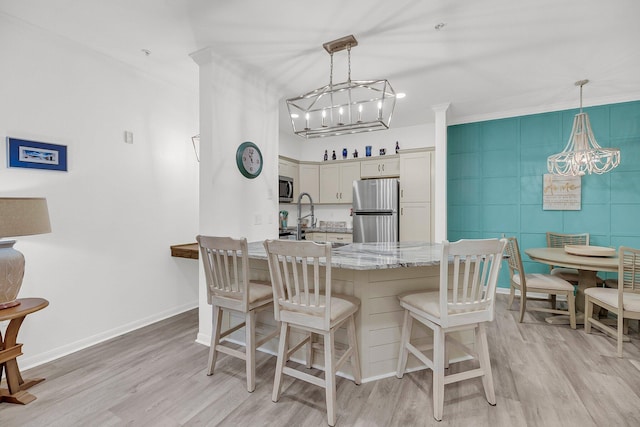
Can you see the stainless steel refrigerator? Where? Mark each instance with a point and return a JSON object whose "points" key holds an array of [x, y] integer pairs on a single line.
{"points": [[375, 210]]}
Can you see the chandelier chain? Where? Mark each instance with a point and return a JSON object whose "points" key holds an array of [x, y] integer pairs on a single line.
{"points": [[331, 71], [581, 97], [349, 61]]}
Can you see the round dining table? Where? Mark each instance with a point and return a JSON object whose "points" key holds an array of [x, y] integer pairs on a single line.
{"points": [[587, 266]]}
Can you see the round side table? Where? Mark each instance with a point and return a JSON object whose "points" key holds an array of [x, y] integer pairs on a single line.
{"points": [[10, 350]]}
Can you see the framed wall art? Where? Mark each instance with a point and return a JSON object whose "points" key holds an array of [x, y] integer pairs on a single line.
{"points": [[561, 193], [36, 155]]}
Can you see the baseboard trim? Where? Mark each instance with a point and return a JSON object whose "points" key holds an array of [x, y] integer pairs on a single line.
{"points": [[56, 353]]}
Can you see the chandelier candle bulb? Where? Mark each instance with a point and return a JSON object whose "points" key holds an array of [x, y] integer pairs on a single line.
{"points": [[340, 116], [324, 118], [360, 113], [379, 110], [306, 118]]}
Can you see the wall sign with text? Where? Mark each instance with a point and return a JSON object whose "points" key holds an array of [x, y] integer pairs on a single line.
{"points": [[561, 193]]}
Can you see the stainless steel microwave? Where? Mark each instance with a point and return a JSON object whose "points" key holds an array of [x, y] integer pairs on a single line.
{"points": [[285, 186]]}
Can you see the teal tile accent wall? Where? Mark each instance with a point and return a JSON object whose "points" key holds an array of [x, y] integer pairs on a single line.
{"points": [[495, 171]]}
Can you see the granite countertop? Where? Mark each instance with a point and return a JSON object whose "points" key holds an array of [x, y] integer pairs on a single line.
{"points": [[374, 256]]}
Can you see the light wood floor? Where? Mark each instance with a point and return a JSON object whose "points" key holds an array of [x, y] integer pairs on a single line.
{"points": [[544, 376]]}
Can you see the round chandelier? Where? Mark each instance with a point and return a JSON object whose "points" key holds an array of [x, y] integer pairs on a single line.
{"points": [[582, 153]]}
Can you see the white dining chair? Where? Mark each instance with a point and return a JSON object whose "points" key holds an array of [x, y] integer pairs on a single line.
{"points": [[465, 301], [560, 240], [623, 301], [304, 301], [538, 283], [226, 267]]}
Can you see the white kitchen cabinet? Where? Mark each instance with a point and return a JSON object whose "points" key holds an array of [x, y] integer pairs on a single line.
{"points": [[316, 236], [415, 222], [340, 237], [289, 168], [329, 183], [380, 168], [415, 176], [321, 236], [336, 182], [309, 182], [416, 209]]}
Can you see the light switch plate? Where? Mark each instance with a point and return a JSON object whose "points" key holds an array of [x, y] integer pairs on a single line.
{"points": [[128, 137]]}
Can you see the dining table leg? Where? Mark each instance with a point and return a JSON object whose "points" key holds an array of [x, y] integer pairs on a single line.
{"points": [[586, 279]]}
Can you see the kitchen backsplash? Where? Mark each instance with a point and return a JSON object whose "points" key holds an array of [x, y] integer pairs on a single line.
{"points": [[324, 214], [332, 224]]}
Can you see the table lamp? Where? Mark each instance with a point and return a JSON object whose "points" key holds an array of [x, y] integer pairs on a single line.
{"points": [[18, 217]]}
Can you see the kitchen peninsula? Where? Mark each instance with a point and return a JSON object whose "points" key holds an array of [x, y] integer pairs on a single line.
{"points": [[375, 273]]}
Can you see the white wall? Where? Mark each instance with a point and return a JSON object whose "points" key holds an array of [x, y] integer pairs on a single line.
{"points": [[106, 267]]}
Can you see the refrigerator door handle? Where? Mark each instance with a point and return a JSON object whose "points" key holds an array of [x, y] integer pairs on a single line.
{"points": [[374, 213]]}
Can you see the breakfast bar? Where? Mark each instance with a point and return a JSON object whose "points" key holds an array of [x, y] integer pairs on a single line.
{"points": [[375, 273]]}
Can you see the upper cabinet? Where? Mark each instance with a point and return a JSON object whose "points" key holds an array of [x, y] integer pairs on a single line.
{"points": [[288, 168], [336, 181], [332, 182], [415, 176], [416, 208], [380, 168], [309, 182]]}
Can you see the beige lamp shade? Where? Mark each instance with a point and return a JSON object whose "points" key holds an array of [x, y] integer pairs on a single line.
{"points": [[23, 216], [18, 217]]}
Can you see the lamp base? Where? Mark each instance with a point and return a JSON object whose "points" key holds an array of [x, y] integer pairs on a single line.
{"points": [[11, 274]]}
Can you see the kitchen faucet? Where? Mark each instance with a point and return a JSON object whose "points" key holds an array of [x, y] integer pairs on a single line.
{"points": [[300, 217]]}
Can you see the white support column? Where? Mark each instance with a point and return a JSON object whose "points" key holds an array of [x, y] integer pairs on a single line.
{"points": [[236, 105], [440, 196]]}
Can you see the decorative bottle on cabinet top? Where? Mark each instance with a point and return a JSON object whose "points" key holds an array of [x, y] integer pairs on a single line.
{"points": [[333, 156], [326, 155], [397, 147]]}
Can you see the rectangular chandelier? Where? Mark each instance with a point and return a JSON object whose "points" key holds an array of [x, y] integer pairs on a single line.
{"points": [[349, 107]]}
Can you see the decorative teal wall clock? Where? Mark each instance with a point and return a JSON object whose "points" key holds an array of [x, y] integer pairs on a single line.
{"points": [[249, 159]]}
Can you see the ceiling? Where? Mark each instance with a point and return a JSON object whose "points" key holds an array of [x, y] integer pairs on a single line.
{"points": [[492, 58]]}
